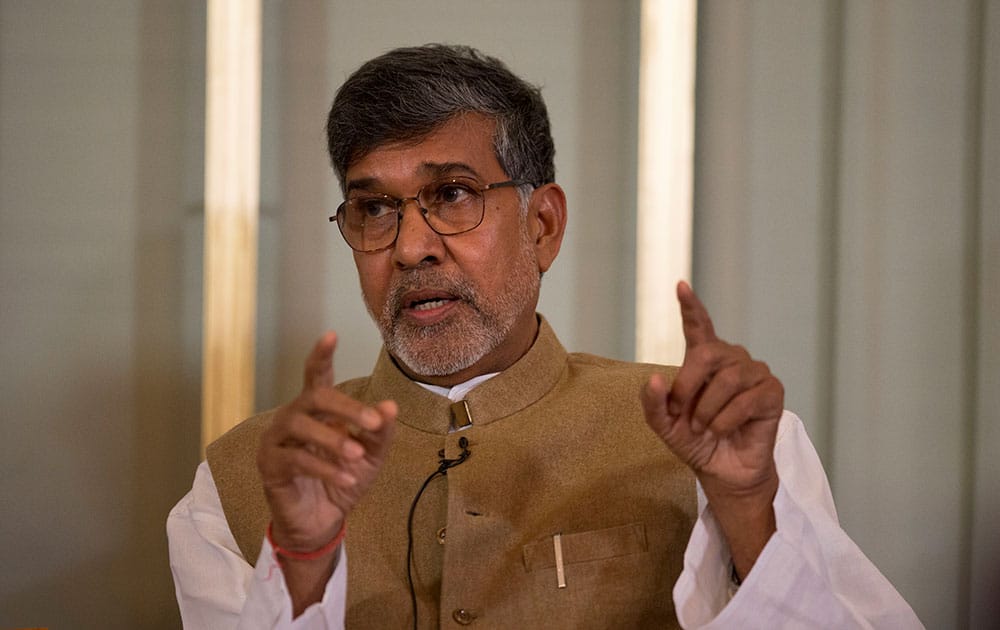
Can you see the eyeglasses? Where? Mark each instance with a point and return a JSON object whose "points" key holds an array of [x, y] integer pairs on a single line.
{"points": [[370, 221]]}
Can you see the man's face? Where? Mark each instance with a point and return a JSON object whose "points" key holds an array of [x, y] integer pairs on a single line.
{"points": [[450, 307]]}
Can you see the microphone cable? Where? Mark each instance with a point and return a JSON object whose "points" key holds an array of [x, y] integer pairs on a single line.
{"points": [[442, 470]]}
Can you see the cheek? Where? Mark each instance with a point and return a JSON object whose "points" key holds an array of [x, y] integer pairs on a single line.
{"points": [[493, 271], [373, 279], [480, 262], [492, 246]]}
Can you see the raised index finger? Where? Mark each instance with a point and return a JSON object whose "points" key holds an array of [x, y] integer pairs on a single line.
{"points": [[319, 364], [694, 316]]}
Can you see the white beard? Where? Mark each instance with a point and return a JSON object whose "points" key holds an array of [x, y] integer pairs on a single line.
{"points": [[477, 326]]}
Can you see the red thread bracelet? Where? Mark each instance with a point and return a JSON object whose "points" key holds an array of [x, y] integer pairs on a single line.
{"points": [[310, 555]]}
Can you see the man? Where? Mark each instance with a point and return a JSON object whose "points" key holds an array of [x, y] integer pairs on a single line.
{"points": [[481, 475]]}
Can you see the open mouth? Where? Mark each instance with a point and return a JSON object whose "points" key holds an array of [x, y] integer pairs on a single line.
{"points": [[428, 305]]}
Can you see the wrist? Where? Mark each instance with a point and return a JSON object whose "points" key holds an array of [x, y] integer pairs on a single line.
{"points": [[746, 518], [305, 553], [759, 491], [306, 572], [747, 509]]}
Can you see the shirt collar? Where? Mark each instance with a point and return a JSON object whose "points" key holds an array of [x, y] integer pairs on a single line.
{"points": [[457, 392], [488, 397]]}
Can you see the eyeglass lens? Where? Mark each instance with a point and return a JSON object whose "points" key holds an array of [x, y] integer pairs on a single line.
{"points": [[370, 221]]}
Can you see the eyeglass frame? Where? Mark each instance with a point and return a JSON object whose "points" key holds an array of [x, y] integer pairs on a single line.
{"points": [[400, 204]]}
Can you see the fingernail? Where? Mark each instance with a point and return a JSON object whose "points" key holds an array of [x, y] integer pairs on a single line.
{"points": [[372, 419], [353, 450]]}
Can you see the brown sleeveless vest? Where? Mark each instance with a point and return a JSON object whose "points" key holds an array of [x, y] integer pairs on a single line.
{"points": [[558, 446]]}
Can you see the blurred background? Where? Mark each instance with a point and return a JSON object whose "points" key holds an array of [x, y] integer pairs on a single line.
{"points": [[846, 230]]}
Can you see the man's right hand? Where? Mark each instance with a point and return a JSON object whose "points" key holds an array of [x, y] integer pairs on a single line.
{"points": [[318, 458]]}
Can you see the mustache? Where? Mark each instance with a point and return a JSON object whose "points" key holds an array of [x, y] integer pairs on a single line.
{"points": [[422, 279]]}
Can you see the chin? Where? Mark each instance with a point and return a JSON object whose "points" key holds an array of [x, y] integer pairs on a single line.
{"points": [[430, 352]]}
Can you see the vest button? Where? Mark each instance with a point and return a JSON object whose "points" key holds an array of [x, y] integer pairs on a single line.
{"points": [[440, 535], [463, 616]]}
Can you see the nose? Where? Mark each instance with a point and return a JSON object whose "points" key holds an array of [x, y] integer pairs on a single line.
{"points": [[416, 242]]}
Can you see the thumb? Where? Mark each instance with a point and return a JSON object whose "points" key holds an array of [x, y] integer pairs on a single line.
{"points": [[319, 363], [673, 431], [654, 406]]}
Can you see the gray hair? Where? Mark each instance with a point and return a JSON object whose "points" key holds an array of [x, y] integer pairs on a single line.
{"points": [[407, 93]]}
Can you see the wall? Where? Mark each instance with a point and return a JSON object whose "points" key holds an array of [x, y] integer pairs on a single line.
{"points": [[847, 229], [101, 112]]}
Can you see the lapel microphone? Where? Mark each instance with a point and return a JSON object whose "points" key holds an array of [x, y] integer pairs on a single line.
{"points": [[443, 465]]}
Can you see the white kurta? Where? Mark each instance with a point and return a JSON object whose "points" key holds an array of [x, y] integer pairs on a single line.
{"points": [[810, 574]]}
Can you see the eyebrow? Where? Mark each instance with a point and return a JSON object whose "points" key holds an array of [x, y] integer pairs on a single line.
{"points": [[432, 170], [443, 169]]}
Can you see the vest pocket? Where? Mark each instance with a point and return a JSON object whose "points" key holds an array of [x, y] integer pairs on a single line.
{"points": [[587, 546], [610, 578]]}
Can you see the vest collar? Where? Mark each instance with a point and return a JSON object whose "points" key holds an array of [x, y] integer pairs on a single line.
{"points": [[517, 387]]}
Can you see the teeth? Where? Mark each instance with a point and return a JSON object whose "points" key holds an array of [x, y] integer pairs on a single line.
{"points": [[426, 306]]}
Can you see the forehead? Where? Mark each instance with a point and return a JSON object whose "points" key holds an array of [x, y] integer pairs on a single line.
{"points": [[461, 146]]}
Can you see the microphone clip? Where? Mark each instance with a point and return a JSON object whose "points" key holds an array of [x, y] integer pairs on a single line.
{"points": [[445, 464]]}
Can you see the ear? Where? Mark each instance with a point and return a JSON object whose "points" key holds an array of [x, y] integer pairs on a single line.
{"points": [[547, 223]]}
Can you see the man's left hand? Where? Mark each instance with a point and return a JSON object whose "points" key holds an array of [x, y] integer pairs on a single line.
{"points": [[720, 416]]}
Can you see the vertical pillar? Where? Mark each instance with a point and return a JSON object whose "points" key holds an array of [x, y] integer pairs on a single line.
{"points": [[232, 190], [666, 174]]}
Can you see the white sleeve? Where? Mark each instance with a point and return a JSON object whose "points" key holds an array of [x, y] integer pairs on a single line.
{"points": [[217, 588], [810, 574]]}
